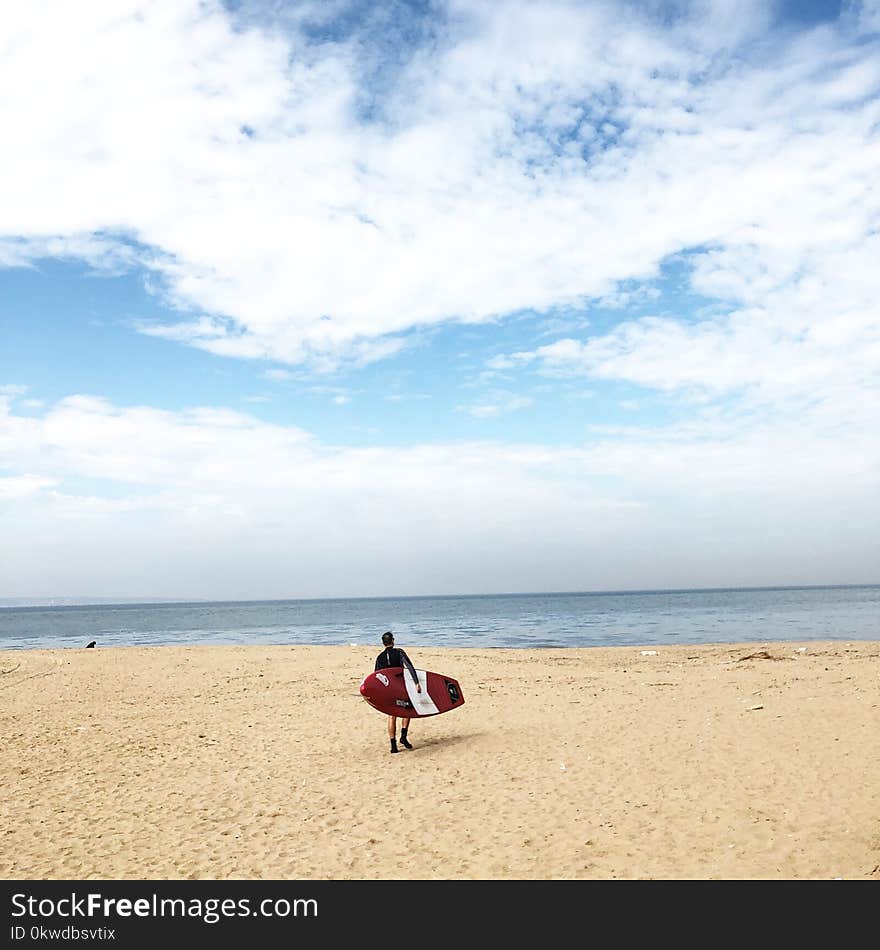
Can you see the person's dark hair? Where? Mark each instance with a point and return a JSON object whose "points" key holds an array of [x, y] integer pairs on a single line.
{"points": [[388, 638]]}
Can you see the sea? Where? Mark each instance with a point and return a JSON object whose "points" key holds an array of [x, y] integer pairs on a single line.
{"points": [[649, 618]]}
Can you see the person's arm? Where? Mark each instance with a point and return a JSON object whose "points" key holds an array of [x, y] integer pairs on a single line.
{"points": [[408, 664]]}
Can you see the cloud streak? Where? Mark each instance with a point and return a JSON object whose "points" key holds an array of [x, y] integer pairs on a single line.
{"points": [[207, 500]]}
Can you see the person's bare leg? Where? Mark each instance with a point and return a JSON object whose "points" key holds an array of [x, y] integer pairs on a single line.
{"points": [[392, 733], [403, 727]]}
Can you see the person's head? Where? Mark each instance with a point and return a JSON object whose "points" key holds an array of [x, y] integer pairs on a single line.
{"points": [[388, 638]]}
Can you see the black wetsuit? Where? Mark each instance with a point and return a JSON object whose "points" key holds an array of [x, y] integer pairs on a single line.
{"points": [[392, 656]]}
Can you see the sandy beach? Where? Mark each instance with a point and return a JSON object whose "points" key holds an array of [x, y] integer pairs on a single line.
{"points": [[730, 761]]}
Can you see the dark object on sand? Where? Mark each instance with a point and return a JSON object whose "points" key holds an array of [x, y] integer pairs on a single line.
{"points": [[90, 644]]}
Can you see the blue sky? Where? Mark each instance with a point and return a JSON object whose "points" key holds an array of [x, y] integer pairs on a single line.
{"points": [[339, 299]]}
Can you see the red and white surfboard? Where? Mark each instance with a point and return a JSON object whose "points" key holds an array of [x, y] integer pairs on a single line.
{"points": [[393, 691]]}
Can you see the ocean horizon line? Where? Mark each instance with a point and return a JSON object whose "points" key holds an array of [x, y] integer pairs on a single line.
{"points": [[38, 603]]}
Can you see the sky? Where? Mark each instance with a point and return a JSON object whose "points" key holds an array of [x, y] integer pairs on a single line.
{"points": [[341, 299]]}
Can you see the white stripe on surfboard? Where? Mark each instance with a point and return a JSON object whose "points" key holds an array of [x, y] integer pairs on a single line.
{"points": [[422, 702]]}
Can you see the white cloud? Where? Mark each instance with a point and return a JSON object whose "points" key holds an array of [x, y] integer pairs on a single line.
{"points": [[865, 14], [10, 391], [492, 176], [215, 503], [811, 337], [279, 375], [543, 157], [18, 486], [500, 403]]}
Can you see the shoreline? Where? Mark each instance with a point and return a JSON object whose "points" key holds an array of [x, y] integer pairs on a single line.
{"points": [[711, 761]]}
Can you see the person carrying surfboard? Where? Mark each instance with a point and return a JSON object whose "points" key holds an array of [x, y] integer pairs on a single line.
{"points": [[392, 656]]}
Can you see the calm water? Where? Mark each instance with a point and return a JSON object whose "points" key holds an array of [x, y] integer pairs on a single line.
{"points": [[639, 618]]}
